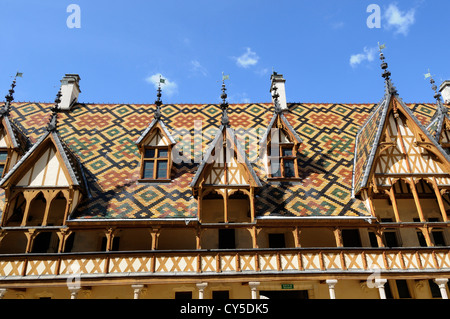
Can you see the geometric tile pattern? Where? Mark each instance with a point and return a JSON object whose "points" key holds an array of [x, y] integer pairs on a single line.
{"points": [[103, 137]]}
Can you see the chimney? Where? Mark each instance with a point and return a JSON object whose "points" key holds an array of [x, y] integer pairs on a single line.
{"points": [[445, 91], [70, 89], [279, 81]]}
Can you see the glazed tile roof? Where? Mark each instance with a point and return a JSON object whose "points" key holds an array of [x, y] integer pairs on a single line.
{"points": [[103, 138]]}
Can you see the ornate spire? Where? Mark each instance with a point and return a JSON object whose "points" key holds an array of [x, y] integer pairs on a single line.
{"points": [[158, 101], [390, 88], [275, 96], [9, 97], [53, 123], [437, 95], [224, 106]]}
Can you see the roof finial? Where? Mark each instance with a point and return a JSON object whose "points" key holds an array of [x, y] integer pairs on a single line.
{"points": [[224, 105], [437, 94], [275, 96], [53, 123], [158, 101], [9, 97], [390, 88]]}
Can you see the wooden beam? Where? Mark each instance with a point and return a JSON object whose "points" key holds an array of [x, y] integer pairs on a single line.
{"points": [[338, 236], [252, 204], [225, 205], [391, 194], [412, 185], [439, 199]]}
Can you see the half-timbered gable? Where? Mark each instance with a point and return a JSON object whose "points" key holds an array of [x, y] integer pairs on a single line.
{"points": [[279, 148], [394, 154]]}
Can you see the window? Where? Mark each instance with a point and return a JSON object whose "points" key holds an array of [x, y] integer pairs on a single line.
{"points": [[351, 238], [227, 239], [437, 234], [277, 241], [390, 236], [284, 165], [373, 239], [3, 159], [115, 244], [155, 163], [402, 289], [434, 288]]}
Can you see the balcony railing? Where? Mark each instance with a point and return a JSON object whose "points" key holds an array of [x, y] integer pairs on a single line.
{"points": [[251, 261]]}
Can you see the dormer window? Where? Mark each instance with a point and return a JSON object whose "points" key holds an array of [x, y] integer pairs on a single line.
{"points": [[283, 162], [3, 159], [156, 163]]}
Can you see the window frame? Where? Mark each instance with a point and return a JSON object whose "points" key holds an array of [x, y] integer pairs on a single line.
{"points": [[282, 159], [156, 159]]}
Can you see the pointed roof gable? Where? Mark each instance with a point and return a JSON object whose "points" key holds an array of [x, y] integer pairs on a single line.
{"points": [[18, 140], [156, 123], [367, 143], [285, 125], [209, 158], [71, 164], [368, 139]]}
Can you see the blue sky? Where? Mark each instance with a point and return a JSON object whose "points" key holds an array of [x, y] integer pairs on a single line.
{"points": [[122, 45]]}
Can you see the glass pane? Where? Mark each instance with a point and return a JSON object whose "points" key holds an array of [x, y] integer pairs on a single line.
{"points": [[3, 156], [287, 151], [162, 152], [162, 169], [275, 168], [149, 153], [402, 287], [289, 170], [148, 169]]}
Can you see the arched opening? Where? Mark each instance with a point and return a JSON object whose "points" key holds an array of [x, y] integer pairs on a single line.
{"points": [[277, 238], [57, 210], [134, 239], [45, 242], [16, 211], [213, 207], [13, 243], [407, 208], [428, 200], [85, 241], [238, 207], [173, 239], [317, 237], [37, 210]]}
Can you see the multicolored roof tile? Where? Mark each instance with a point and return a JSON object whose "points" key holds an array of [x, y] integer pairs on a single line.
{"points": [[103, 138]]}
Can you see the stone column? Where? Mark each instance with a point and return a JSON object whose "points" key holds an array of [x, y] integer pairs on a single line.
{"points": [[74, 292], [379, 283], [331, 284], [201, 289], [441, 282], [254, 288], [137, 290], [2, 292]]}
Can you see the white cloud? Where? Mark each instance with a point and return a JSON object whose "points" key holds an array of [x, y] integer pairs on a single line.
{"points": [[367, 55], [197, 68], [170, 88], [399, 20], [247, 59]]}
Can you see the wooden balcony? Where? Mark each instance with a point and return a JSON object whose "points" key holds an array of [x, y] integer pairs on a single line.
{"points": [[295, 261]]}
